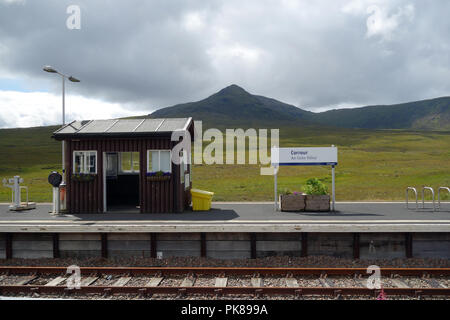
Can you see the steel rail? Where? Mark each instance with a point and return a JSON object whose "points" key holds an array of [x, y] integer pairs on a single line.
{"points": [[224, 290], [223, 270]]}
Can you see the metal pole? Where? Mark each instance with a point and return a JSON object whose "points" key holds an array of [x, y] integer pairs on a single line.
{"points": [[332, 187], [56, 203], [63, 122], [16, 192], [275, 188]]}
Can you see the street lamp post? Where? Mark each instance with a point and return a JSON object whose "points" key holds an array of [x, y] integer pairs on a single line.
{"points": [[72, 79]]}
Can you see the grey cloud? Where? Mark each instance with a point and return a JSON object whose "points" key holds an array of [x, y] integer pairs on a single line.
{"points": [[140, 53]]}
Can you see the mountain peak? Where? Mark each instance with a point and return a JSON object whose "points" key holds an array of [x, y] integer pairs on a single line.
{"points": [[233, 104], [233, 90]]}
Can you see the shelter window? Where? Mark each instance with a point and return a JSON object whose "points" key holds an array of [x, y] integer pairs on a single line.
{"points": [[129, 162], [159, 160], [85, 162]]}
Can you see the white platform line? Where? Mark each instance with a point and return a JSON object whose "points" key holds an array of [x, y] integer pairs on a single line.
{"points": [[190, 225], [215, 222], [182, 228]]}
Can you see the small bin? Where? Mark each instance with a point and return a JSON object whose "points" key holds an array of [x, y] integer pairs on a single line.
{"points": [[201, 200]]}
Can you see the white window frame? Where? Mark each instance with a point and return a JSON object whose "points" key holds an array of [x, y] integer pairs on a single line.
{"points": [[184, 167], [185, 164], [188, 184], [131, 171], [84, 163], [159, 159]]}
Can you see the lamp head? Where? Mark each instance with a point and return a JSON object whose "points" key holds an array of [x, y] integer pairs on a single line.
{"points": [[49, 69], [73, 79]]}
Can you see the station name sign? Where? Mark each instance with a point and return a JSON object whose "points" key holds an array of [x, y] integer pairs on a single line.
{"points": [[324, 156]]}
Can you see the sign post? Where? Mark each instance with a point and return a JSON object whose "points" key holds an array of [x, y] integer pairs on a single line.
{"points": [[55, 179], [275, 172], [332, 188], [321, 156], [17, 204]]}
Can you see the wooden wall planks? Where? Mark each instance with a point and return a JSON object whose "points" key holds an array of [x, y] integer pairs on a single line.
{"points": [[155, 196]]}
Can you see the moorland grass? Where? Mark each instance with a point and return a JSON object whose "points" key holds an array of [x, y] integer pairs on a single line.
{"points": [[373, 164]]}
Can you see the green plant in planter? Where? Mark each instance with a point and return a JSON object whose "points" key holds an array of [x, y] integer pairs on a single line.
{"points": [[315, 187], [158, 176], [284, 191]]}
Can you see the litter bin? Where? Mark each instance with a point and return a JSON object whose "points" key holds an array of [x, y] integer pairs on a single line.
{"points": [[201, 200]]}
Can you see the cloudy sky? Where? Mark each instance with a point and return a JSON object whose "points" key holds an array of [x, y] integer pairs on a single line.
{"points": [[133, 57]]}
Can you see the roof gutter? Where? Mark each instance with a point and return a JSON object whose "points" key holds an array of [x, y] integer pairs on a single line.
{"points": [[114, 135]]}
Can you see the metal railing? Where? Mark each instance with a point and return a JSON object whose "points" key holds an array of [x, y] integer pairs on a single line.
{"points": [[438, 207], [415, 192], [423, 197], [439, 195]]}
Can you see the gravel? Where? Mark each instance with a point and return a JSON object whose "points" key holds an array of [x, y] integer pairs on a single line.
{"points": [[138, 281], [106, 280], [308, 281], [416, 282], [241, 281], [205, 281], [12, 279], [227, 297], [274, 281], [311, 261], [42, 280], [174, 280]]}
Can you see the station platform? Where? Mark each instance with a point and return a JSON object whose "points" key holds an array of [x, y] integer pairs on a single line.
{"points": [[238, 217]]}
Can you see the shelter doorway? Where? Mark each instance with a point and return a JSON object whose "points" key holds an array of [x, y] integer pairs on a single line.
{"points": [[122, 181]]}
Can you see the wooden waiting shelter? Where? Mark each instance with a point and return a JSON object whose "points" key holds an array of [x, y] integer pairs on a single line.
{"points": [[125, 165]]}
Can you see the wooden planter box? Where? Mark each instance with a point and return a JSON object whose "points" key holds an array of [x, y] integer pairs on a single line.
{"points": [[83, 177], [317, 203], [158, 178], [292, 202]]}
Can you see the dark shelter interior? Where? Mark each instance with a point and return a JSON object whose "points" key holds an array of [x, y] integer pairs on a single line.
{"points": [[122, 180]]}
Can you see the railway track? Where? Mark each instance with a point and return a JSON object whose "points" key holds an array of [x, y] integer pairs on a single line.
{"points": [[181, 281]]}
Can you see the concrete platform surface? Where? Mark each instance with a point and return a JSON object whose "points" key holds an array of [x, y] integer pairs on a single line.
{"points": [[238, 217]]}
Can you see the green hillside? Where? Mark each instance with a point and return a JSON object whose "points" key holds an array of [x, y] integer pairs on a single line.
{"points": [[32, 154], [431, 114]]}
